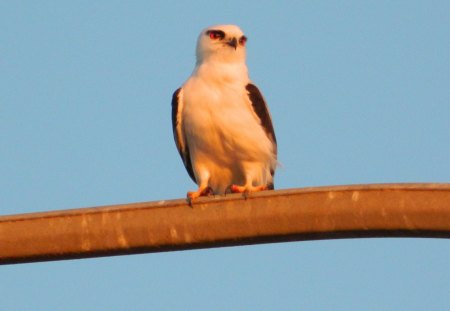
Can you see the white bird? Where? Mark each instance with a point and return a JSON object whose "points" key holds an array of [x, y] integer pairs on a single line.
{"points": [[221, 124]]}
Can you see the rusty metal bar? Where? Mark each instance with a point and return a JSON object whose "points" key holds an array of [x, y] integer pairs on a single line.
{"points": [[389, 210]]}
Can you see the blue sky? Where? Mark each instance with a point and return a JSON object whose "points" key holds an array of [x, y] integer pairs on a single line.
{"points": [[358, 91]]}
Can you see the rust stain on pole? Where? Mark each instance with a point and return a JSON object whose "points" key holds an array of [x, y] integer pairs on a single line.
{"points": [[385, 210]]}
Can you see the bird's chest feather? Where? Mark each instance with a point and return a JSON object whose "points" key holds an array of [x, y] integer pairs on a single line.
{"points": [[215, 97], [215, 107], [221, 122]]}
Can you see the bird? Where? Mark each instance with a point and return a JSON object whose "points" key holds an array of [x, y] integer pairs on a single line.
{"points": [[221, 123]]}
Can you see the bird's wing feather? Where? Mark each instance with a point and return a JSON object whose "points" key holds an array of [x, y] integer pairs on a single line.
{"points": [[260, 108], [178, 133]]}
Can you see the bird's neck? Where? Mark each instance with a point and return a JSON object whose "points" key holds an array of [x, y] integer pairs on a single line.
{"points": [[223, 71]]}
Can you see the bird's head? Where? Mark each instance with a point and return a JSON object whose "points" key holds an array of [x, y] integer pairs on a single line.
{"points": [[225, 43]]}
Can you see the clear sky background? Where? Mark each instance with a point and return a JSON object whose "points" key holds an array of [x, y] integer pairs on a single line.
{"points": [[359, 93]]}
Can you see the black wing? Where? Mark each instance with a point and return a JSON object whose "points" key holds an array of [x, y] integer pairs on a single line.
{"points": [[178, 133], [260, 107]]}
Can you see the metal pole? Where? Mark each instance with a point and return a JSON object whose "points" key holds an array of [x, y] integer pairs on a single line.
{"points": [[359, 211]]}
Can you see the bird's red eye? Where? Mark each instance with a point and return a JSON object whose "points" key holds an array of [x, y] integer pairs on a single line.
{"points": [[243, 40], [215, 34]]}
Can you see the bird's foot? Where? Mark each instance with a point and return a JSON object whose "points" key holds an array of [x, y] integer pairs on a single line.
{"points": [[201, 192], [245, 190]]}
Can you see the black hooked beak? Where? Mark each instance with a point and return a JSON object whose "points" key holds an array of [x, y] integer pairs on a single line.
{"points": [[233, 43]]}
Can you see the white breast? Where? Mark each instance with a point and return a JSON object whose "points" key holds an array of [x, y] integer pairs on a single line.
{"points": [[222, 131]]}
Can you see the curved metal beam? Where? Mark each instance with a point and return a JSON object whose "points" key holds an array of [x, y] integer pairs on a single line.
{"points": [[358, 211]]}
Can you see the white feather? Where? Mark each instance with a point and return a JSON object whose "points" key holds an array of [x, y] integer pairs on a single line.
{"points": [[227, 143]]}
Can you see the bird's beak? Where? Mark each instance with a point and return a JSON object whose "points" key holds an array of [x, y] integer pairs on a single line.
{"points": [[233, 43]]}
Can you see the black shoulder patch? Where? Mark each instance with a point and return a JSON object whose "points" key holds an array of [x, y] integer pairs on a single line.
{"points": [[261, 110]]}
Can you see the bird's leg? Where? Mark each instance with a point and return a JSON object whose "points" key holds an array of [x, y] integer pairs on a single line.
{"points": [[248, 187], [203, 188], [201, 191]]}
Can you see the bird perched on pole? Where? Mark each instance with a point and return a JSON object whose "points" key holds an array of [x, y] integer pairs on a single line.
{"points": [[221, 124]]}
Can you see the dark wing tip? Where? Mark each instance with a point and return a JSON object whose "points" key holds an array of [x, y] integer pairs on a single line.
{"points": [[175, 108]]}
